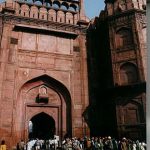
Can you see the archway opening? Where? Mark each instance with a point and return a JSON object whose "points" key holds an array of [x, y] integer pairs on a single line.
{"points": [[128, 74], [42, 126]]}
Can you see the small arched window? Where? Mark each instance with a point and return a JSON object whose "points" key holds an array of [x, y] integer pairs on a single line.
{"points": [[43, 90], [60, 16], [25, 10], [124, 38], [34, 12], [128, 74], [69, 18], [43, 13], [52, 15]]}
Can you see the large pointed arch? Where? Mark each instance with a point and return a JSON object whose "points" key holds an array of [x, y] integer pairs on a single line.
{"points": [[62, 109]]}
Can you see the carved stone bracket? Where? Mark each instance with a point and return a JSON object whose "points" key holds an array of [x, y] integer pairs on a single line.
{"points": [[12, 19], [42, 99]]}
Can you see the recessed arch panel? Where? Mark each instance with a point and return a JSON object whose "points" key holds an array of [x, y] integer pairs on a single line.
{"points": [[58, 106], [124, 38], [52, 15], [25, 10], [60, 16], [128, 73]]}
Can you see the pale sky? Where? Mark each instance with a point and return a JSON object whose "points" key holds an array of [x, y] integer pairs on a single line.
{"points": [[93, 7]]}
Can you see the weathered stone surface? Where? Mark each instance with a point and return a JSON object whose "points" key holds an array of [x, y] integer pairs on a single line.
{"points": [[117, 70]]}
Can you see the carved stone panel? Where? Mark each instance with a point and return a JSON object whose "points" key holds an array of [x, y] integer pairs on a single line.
{"points": [[47, 43], [28, 41], [63, 45]]}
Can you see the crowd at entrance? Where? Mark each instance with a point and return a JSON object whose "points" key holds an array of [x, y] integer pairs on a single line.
{"points": [[102, 143], [94, 143]]}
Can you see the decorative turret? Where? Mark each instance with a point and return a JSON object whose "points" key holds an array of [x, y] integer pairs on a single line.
{"points": [[62, 11], [119, 6]]}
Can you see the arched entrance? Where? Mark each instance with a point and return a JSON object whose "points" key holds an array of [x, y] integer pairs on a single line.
{"points": [[40, 95], [43, 126]]}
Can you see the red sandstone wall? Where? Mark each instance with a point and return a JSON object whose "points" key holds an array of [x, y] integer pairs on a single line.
{"points": [[32, 56]]}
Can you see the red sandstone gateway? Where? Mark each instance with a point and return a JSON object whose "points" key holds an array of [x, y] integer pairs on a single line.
{"points": [[45, 70]]}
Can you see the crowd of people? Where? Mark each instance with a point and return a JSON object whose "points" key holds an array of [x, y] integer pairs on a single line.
{"points": [[93, 143], [99, 143]]}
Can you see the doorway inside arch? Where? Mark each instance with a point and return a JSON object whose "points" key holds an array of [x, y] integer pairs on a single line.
{"points": [[41, 126]]}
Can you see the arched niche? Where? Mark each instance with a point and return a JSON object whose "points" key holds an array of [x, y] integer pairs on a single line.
{"points": [[52, 15], [124, 38], [43, 13], [58, 106], [25, 10], [128, 74], [60, 16], [69, 18], [34, 12], [129, 113]]}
